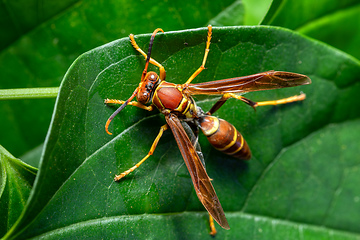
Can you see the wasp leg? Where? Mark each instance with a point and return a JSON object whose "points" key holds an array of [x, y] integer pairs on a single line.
{"points": [[226, 96], [152, 61], [212, 226], [132, 103], [295, 98], [207, 49], [152, 149]]}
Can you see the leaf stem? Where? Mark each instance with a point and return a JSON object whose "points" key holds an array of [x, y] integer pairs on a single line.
{"points": [[28, 93]]}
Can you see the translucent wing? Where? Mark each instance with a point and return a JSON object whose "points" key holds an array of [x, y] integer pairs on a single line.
{"points": [[200, 179], [256, 82], [192, 132]]}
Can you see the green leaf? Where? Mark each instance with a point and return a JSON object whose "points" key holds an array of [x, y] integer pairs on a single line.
{"points": [[333, 22], [242, 12], [294, 14], [61, 31], [33, 157], [300, 184], [336, 202], [339, 29], [16, 180], [255, 11], [181, 226], [232, 15]]}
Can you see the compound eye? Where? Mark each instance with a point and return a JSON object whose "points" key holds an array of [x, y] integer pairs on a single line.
{"points": [[143, 97], [152, 76]]}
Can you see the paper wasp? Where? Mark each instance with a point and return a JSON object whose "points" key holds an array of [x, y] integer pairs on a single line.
{"points": [[176, 103]]}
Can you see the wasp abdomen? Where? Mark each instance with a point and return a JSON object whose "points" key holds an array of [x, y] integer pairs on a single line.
{"points": [[224, 137]]}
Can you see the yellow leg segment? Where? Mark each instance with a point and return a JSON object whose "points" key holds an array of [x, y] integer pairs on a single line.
{"points": [[207, 49], [132, 103], [152, 149], [212, 226], [152, 61], [226, 96], [295, 98]]}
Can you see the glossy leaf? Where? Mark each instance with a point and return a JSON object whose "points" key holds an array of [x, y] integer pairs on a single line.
{"points": [[300, 184], [333, 22], [16, 180]]}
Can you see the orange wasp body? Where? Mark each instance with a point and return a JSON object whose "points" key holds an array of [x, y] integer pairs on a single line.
{"points": [[176, 103]]}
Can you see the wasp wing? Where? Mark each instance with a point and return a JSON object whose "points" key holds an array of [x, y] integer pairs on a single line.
{"points": [[256, 82], [202, 184], [192, 132]]}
